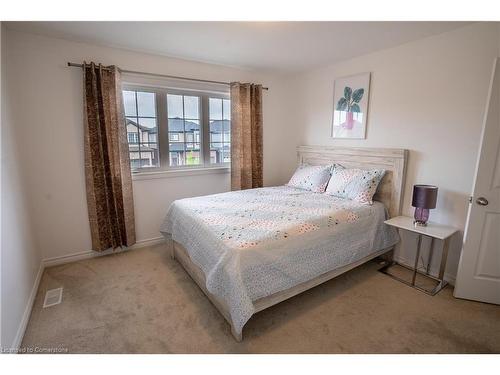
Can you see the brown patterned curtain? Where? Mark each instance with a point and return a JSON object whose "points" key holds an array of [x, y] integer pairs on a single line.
{"points": [[246, 136], [107, 166]]}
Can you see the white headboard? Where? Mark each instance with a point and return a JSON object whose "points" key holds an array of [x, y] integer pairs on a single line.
{"points": [[393, 160]]}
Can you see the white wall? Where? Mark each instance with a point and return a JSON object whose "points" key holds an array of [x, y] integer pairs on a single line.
{"points": [[427, 96], [20, 258], [46, 108]]}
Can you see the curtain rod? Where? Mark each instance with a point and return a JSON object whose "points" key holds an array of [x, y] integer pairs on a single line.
{"points": [[162, 75]]}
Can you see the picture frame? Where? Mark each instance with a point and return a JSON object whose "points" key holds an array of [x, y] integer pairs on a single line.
{"points": [[350, 106]]}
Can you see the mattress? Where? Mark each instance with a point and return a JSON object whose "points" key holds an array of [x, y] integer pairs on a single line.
{"points": [[254, 243]]}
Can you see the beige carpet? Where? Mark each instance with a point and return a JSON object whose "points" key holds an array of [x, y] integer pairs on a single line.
{"points": [[142, 301]]}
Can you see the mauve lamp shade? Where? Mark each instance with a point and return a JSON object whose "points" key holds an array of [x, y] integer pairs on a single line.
{"points": [[424, 196]]}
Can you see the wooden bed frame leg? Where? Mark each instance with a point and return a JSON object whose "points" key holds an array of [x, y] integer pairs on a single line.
{"points": [[237, 336]]}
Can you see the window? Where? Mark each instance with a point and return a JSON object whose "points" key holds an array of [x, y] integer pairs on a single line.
{"points": [[168, 128], [133, 137], [142, 128], [183, 130], [220, 130]]}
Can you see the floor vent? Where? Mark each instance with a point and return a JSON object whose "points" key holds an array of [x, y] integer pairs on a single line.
{"points": [[53, 297]]}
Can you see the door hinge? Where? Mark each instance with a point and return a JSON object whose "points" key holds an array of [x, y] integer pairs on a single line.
{"points": [[470, 199]]}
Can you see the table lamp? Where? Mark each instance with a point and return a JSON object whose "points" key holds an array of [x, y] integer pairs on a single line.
{"points": [[424, 199]]}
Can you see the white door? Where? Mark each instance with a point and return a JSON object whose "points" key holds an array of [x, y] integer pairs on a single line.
{"points": [[479, 269]]}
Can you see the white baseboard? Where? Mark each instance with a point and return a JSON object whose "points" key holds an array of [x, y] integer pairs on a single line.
{"points": [[63, 259], [410, 263], [27, 311]]}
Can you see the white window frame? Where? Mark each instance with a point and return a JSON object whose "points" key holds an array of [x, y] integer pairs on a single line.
{"points": [[162, 124]]}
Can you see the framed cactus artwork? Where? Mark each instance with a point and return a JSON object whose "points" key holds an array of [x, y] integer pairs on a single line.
{"points": [[350, 106]]}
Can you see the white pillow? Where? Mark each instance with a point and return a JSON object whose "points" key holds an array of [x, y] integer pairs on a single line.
{"points": [[357, 184], [311, 177]]}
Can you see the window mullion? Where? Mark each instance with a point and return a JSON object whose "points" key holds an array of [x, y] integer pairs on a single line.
{"points": [[163, 130], [138, 129], [206, 131], [184, 133], [222, 131]]}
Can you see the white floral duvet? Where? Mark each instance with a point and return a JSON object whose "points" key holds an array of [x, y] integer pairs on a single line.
{"points": [[253, 243]]}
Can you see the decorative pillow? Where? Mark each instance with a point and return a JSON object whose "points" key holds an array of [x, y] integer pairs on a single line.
{"points": [[311, 177], [356, 184]]}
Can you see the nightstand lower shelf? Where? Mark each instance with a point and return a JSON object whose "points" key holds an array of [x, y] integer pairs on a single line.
{"points": [[432, 291], [432, 231]]}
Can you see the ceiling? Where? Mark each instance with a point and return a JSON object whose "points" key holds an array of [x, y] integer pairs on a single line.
{"points": [[268, 46]]}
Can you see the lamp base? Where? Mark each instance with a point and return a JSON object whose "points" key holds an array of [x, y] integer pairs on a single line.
{"points": [[419, 223], [421, 216]]}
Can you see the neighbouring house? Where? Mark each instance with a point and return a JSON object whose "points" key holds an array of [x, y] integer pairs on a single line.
{"points": [[143, 145], [184, 143]]}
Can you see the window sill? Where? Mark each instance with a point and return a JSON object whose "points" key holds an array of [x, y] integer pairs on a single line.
{"points": [[174, 173]]}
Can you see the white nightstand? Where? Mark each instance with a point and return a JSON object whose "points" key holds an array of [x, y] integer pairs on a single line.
{"points": [[438, 231]]}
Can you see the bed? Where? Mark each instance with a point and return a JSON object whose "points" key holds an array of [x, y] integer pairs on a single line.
{"points": [[251, 249]]}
